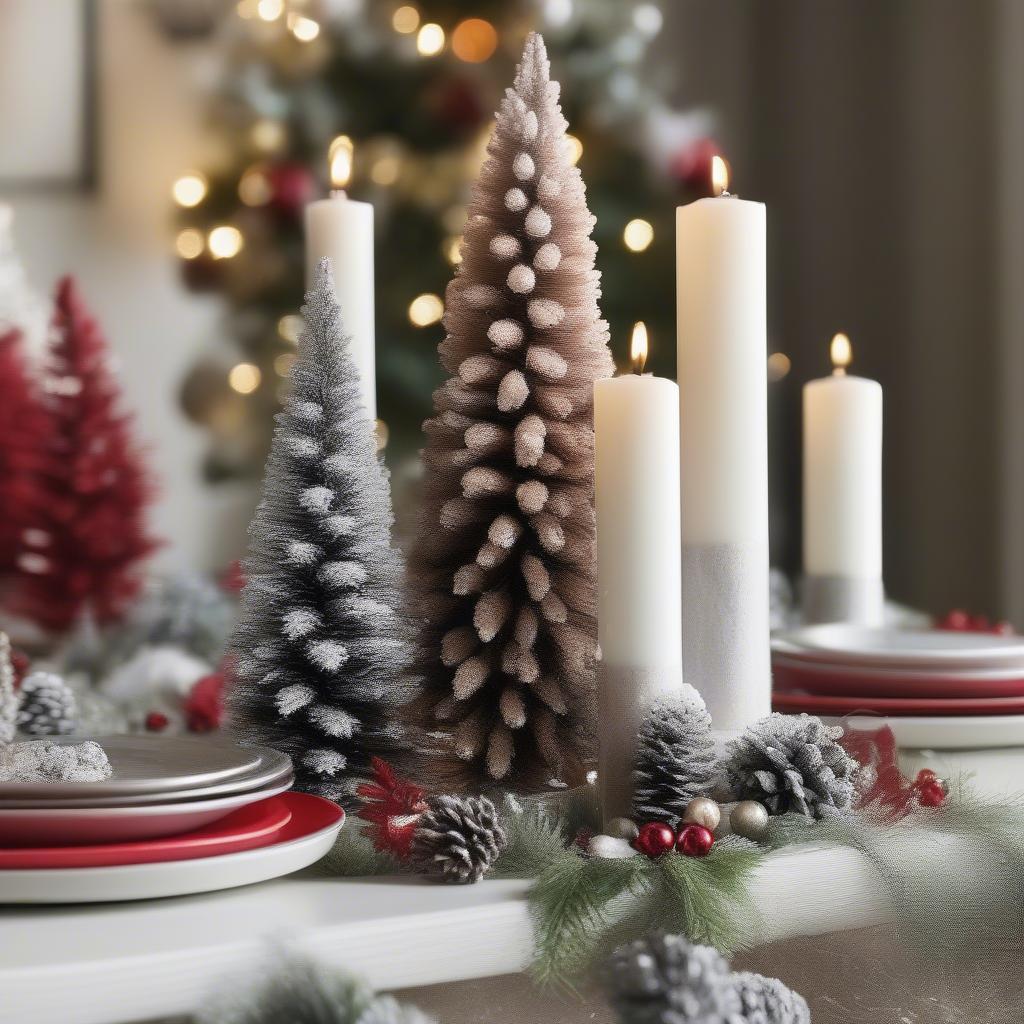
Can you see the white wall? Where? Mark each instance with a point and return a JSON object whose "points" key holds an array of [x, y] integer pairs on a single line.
{"points": [[118, 242]]}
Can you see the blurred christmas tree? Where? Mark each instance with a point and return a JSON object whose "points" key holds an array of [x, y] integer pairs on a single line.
{"points": [[414, 88]]}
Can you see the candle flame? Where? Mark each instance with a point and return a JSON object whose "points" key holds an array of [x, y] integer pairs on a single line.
{"points": [[340, 158], [719, 175], [638, 346], [841, 352]]}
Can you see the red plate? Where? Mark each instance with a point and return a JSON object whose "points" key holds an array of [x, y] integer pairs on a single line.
{"points": [[834, 680], [816, 704], [254, 825]]}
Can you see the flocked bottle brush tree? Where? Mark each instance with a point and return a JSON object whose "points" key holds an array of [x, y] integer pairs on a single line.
{"points": [[505, 558], [322, 643]]}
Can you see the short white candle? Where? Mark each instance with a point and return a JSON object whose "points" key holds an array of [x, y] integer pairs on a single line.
{"points": [[722, 360], [843, 489], [636, 427], [341, 229]]}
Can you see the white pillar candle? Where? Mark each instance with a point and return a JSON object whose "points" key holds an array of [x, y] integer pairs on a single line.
{"points": [[722, 356], [636, 433], [843, 494], [341, 229]]}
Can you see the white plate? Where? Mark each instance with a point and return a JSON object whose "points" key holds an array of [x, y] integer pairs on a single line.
{"points": [[903, 648], [84, 825], [174, 878], [980, 732]]}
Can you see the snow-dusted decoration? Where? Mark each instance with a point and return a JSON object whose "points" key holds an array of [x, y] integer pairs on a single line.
{"points": [[46, 761], [22, 308], [322, 647], [47, 706], [8, 697], [505, 559]]}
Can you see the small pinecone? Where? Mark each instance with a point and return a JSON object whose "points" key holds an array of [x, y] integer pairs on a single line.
{"points": [[768, 1001], [675, 760], [47, 706], [792, 763], [665, 980], [458, 838]]}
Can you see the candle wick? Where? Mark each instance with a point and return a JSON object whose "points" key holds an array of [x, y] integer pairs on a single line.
{"points": [[339, 193], [839, 371]]}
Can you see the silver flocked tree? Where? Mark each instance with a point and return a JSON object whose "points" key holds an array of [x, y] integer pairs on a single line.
{"points": [[505, 561], [321, 646]]}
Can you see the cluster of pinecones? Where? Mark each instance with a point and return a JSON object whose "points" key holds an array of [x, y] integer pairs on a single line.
{"points": [[786, 762], [665, 980]]}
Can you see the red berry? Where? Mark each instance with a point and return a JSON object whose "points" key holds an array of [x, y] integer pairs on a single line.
{"points": [[931, 794], [957, 620], [654, 839], [157, 721], [980, 624], [1003, 628], [924, 776], [695, 841]]}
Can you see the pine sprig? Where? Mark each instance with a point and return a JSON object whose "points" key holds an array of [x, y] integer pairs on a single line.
{"points": [[571, 907], [536, 840]]}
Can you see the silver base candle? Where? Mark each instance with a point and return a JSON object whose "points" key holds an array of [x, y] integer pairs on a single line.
{"points": [[860, 602], [624, 695], [726, 655]]}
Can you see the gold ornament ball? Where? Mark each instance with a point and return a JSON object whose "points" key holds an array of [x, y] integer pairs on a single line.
{"points": [[623, 828], [702, 810], [749, 819]]}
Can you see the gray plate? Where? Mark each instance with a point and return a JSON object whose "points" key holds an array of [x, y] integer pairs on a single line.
{"points": [[277, 770], [149, 765]]}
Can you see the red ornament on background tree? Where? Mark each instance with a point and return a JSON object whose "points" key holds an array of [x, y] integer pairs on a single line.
{"points": [[85, 550], [23, 426], [691, 166], [292, 186]]}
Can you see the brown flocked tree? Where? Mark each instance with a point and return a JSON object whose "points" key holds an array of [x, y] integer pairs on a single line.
{"points": [[505, 558]]}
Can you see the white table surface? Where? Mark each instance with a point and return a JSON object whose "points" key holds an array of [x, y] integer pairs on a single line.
{"points": [[120, 962]]}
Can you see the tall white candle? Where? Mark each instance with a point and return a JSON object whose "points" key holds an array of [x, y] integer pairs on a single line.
{"points": [[722, 352], [636, 428], [341, 229], [843, 494]]}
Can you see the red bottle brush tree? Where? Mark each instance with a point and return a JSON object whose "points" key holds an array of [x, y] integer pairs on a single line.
{"points": [[24, 428], [85, 550]]}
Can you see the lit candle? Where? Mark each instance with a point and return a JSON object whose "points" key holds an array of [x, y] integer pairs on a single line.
{"points": [[722, 354], [843, 495], [636, 432], [341, 229]]}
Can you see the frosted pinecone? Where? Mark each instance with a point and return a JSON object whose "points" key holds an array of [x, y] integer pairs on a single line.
{"points": [[792, 763], [675, 760], [387, 1010], [666, 980], [458, 838], [47, 706], [768, 1001]]}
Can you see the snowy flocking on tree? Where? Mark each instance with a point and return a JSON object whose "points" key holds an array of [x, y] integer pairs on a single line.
{"points": [[322, 642], [505, 557]]}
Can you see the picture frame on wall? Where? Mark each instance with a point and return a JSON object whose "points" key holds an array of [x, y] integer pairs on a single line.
{"points": [[47, 108]]}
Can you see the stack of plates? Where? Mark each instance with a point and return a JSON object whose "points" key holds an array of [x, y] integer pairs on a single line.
{"points": [[934, 688], [175, 809]]}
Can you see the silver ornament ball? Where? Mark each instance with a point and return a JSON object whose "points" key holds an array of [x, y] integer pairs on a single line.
{"points": [[623, 828], [702, 810], [749, 819]]}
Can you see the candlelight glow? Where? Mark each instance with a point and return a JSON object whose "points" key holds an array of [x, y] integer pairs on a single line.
{"points": [[405, 20], [190, 243], [304, 29], [841, 352], [719, 175], [225, 242], [340, 157], [425, 310], [778, 366], [244, 378], [430, 40], [638, 235], [575, 148], [190, 189], [638, 346]]}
